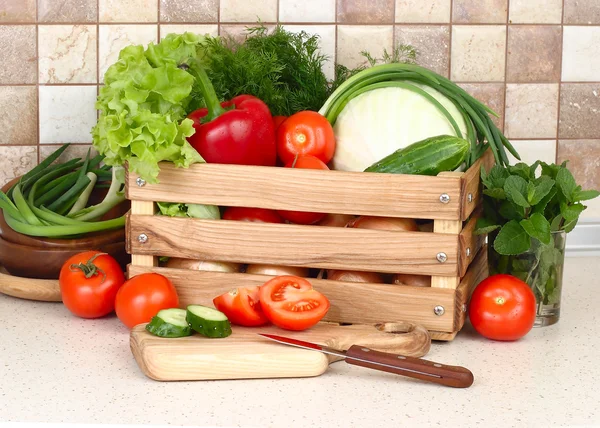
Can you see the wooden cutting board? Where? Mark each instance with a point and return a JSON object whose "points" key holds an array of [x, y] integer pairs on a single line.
{"points": [[246, 355]]}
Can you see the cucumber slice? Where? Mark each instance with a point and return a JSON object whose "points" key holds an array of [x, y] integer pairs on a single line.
{"points": [[170, 323], [208, 321]]}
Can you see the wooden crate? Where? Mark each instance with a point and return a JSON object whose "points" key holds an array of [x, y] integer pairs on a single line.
{"points": [[451, 254]]}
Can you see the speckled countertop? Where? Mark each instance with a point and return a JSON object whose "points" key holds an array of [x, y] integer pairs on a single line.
{"points": [[60, 369]]}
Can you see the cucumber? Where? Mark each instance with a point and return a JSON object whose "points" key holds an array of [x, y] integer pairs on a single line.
{"points": [[427, 157], [170, 323], [208, 321]]}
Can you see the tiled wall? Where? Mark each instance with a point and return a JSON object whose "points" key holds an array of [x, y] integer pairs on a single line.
{"points": [[536, 62]]}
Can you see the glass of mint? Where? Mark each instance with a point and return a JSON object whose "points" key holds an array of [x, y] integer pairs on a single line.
{"points": [[527, 212]]}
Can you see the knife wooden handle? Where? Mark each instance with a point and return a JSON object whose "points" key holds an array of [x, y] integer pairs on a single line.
{"points": [[455, 376]]}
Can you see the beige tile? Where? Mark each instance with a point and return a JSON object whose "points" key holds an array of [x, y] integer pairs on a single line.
{"points": [[67, 114], [248, 11], [478, 53], [584, 161], [202, 29], [352, 39], [531, 110], [326, 35], [67, 53], [68, 10], [365, 11], [535, 11], [432, 43], [307, 11], [582, 12], [425, 11], [479, 11], [16, 161], [17, 54], [579, 110], [72, 152], [532, 53], [189, 10], [490, 94], [533, 150], [113, 38], [17, 11], [18, 115], [581, 54], [128, 10]]}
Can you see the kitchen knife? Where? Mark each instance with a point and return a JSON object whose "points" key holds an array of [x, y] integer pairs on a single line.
{"points": [[455, 376]]}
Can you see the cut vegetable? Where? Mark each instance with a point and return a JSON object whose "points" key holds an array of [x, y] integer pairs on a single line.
{"points": [[170, 323], [208, 321]]}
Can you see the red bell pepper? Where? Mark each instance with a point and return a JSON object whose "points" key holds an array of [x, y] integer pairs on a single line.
{"points": [[239, 131]]}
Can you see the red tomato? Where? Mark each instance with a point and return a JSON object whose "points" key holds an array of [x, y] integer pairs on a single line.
{"points": [[242, 306], [308, 162], [140, 298], [259, 215], [291, 303], [89, 282], [305, 133], [502, 308], [278, 120]]}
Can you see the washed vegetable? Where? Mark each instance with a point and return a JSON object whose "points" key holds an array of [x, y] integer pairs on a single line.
{"points": [[336, 220], [208, 321], [305, 133], [209, 212], [355, 276], [412, 280], [273, 270], [502, 307], [89, 282], [203, 265], [291, 303], [427, 157], [385, 223], [242, 306], [142, 296], [390, 106], [143, 106], [259, 215], [239, 131], [169, 323], [522, 207], [36, 205], [300, 217]]}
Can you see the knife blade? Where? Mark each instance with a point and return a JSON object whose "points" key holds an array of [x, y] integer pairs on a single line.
{"points": [[454, 376]]}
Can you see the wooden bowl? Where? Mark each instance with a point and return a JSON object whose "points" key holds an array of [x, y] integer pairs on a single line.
{"points": [[34, 257]]}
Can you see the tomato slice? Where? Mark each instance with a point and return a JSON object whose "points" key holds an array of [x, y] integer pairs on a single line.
{"points": [[291, 303], [242, 306], [259, 215]]}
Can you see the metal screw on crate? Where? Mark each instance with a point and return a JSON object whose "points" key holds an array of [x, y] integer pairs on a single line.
{"points": [[470, 197], [439, 310], [441, 257], [140, 182], [444, 198], [142, 238], [468, 252]]}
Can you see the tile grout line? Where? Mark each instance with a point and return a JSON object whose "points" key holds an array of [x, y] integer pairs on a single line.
{"points": [[218, 17], [505, 69], [560, 81], [451, 31], [394, 44], [335, 41], [37, 79], [158, 23], [97, 55], [408, 24]]}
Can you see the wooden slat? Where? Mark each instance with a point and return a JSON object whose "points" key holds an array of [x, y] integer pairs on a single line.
{"points": [[387, 195], [478, 271], [142, 208], [469, 241], [442, 336], [470, 184], [447, 226], [293, 245], [350, 302]]}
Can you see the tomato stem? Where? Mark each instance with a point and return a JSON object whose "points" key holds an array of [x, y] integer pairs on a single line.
{"points": [[88, 268]]}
